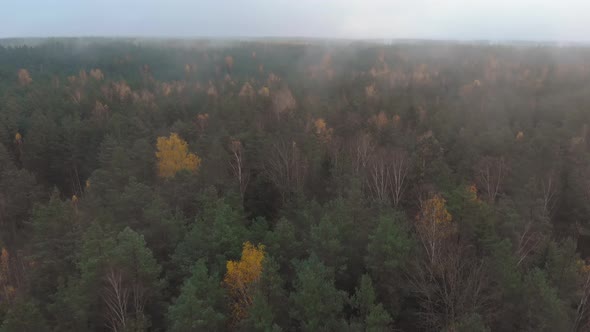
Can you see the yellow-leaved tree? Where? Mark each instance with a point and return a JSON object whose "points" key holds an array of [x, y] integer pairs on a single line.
{"points": [[241, 277], [434, 226], [173, 156]]}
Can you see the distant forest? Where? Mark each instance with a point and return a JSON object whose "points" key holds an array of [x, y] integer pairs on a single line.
{"points": [[268, 185]]}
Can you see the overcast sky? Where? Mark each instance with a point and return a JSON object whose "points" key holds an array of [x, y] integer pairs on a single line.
{"points": [[562, 20]]}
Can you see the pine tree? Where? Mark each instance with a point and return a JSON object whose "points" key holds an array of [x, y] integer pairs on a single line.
{"points": [[200, 306]]}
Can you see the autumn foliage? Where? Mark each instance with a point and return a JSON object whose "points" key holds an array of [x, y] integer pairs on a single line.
{"points": [[434, 211], [241, 276], [24, 78], [173, 156], [322, 131], [96, 74], [229, 62], [395, 186], [434, 226]]}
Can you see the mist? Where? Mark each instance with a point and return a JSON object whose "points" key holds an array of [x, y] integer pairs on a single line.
{"points": [[274, 165]]}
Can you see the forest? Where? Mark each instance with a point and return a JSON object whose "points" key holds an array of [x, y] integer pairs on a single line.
{"points": [[293, 185]]}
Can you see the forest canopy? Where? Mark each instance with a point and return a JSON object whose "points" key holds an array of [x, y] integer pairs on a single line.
{"points": [[287, 185]]}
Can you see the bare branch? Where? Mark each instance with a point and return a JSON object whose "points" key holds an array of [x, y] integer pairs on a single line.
{"points": [[116, 298]]}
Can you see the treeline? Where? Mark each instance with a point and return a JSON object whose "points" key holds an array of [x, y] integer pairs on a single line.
{"points": [[286, 186]]}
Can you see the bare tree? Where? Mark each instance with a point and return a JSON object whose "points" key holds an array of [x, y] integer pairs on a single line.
{"points": [[453, 287], [400, 164], [125, 300], [379, 176], [286, 167], [139, 297], [490, 174], [449, 281], [549, 188], [361, 149], [536, 209], [237, 166], [530, 239], [116, 297], [387, 170]]}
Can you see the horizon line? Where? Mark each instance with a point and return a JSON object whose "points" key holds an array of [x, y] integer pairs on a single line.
{"points": [[322, 38]]}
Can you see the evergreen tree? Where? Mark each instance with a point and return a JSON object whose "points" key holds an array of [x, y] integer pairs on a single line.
{"points": [[316, 304], [200, 305]]}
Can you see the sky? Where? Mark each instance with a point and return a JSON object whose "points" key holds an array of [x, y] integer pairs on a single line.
{"points": [[553, 20]]}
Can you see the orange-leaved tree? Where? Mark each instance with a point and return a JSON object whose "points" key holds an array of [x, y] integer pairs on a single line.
{"points": [[173, 156], [24, 78], [241, 277], [323, 132]]}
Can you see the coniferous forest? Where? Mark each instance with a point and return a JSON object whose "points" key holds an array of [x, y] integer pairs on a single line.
{"points": [[293, 185]]}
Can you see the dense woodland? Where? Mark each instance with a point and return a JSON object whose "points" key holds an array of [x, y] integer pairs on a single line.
{"points": [[266, 185]]}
